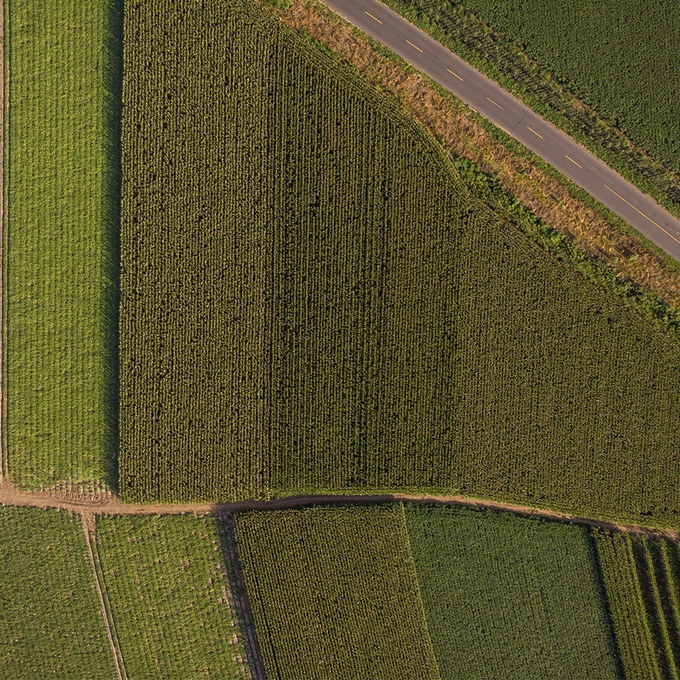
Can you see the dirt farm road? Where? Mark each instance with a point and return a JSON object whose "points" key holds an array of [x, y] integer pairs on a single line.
{"points": [[11, 496]]}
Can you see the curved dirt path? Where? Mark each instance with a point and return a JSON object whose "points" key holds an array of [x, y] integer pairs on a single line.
{"points": [[111, 505]]}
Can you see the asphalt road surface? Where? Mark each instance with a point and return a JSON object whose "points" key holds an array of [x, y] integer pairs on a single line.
{"points": [[511, 115]]}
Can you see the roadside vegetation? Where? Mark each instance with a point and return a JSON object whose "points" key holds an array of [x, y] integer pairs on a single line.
{"points": [[334, 594], [361, 322], [603, 72], [510, 597], [169, 595], [51, 623], [61, 243]]}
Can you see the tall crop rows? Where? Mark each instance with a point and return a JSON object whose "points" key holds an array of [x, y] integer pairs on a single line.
{"points": [[167, 587], [311, 300], [62, 233], [334, 594], [642, 580], [51, 624], [509, 597]]}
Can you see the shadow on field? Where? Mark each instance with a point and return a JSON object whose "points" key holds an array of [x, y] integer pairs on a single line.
{"points": [[113, 82], [239, 598]]}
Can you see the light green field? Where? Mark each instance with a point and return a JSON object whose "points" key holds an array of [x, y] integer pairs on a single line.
{"points": [[168, 591], [51, 623], [508, 597], [334, 594], [62, 175]]}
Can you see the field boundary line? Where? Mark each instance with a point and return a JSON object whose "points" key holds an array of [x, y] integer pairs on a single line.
{"points": [[89, 528], [10, 495], [4, 110]]}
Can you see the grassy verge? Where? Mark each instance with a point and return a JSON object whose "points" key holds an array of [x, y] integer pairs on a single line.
{"points": [[63, 186]]}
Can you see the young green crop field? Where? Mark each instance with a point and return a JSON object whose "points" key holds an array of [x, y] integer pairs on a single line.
{"points": [[334, 594], [642, 581], [168, 591], [618, 56], [312, 301], [61, 238], [509, 597], [51, 623]]}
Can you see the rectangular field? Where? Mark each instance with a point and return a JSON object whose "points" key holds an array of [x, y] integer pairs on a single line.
{"points": [[62, 175], [169, 594], [334, 594], [509, 597], [51, 622]]}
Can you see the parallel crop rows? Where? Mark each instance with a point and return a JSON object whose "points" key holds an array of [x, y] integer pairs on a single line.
{"points": [[62, 232], [311, 301], [334, 594], [642, 581]]}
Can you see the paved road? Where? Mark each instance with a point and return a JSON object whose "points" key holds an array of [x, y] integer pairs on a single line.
{"points": [[511, 115]]}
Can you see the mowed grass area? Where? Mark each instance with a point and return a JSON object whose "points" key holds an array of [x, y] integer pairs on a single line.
{"points": [[168, 592], [51, 623], [509, 597], [618, 56], [313, 302], [334, 594], [61, 237], [642, 581]]}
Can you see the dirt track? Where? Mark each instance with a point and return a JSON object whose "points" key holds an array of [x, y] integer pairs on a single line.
{"points": [[10, 495]]}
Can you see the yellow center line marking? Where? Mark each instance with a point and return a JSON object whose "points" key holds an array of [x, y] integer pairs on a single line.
{"points": [[494, 103], [573, 161], [372, 17], [534, 131], [454, 74], [641, 213], [412, 45]]}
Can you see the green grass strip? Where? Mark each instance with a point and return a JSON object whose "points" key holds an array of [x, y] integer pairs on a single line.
{"points": [[63, 187]]}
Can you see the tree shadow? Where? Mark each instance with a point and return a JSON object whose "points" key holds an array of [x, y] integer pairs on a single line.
{"points": [[238, 600], [113, 83]]}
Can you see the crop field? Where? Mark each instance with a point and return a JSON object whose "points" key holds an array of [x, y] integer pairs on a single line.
{"points": [[642, 581], [334, 594], [618, 56], [312, 301], [61, 233], [168, 592], [569, 56], [509, 597], [51, 624]]}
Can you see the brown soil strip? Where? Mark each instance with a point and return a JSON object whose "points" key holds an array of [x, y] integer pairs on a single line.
{"points": [[89, 528], [10, 495]]}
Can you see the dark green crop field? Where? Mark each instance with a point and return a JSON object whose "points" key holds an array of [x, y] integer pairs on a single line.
{"points": [[334, 594], [312, 301], [51, 624], [509, 597], [618, 56], [61, 241]]}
